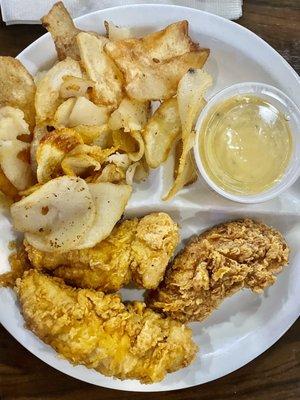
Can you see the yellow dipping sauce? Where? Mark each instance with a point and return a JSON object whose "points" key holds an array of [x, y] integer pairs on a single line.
{"points": [[245, 145]]}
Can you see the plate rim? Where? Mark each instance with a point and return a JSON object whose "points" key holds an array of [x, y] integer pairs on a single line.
{"points": [[149, 388]]}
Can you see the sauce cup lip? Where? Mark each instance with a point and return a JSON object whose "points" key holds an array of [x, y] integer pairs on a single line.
{"points": [[292, 171]]}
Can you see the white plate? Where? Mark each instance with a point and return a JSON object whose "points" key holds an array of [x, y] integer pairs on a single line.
{"points": [[246, 324]]}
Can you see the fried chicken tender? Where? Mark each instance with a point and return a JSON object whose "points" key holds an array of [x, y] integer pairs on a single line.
{"points": [[137, 249], [218, 263], [99, 331]]}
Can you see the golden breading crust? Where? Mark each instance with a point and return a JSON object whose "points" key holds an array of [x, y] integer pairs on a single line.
{"points": [[99, 331], [218, 263], [137, 249]]}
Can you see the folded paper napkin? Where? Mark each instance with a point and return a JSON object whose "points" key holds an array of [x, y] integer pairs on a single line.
{"points": [[31, 11]]}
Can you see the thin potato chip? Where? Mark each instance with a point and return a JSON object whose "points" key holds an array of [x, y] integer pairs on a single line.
{"points": [[62, 114], [152, 66], [39, 132], [191, 90], [85, 112], [47, 97], [74, 87], [120, 160], [101, 69], [162, 129], [124, 141], [130, 142], [110, 173], [17, 88], [131, 115], [79, 165], [189, 175], [114, 32], [110, 201], [160, 81], [57, 216], [89, 134], [63, 31], [7, 187], [53, 147]]}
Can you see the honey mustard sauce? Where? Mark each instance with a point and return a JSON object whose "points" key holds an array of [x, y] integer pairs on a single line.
{"points": [[245, 145]]}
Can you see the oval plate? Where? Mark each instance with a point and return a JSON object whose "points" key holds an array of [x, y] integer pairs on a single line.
{"points": [[246, 324]]}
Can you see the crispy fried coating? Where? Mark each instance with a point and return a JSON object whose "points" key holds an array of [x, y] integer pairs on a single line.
{"points": [[99, 331], [218, 263], [137, 249]]}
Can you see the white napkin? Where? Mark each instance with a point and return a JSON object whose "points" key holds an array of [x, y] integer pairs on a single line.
{"points": [[31, 11]]}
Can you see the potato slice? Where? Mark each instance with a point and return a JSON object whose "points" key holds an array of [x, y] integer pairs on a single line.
{"points": [[152, 66], [62, 114], [74, 87], [38, 133], [160, 81], [63, 31], [160, 133], [57, 216], [190, 95], [84, 158], [90, 134], [101, 69], [114, 32], [131, 115], [85, 112], [7, 187], [110, 201], [14, 153], [47, 97], [53, 147], [131, 143], [189, 175], [14, 162], [110, 173], [17, 88], [120, 160]]}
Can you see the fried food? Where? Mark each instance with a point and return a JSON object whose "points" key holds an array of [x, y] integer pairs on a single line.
{"points": [[100, 332], [17, 88], [218, 263], [137, 249], [160, 133], [101, 69], [190, 96], [153, 65], [63, 31]]}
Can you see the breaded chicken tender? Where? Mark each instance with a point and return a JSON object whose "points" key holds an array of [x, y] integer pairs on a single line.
{"points": [[99, 331], [137, 249], [218, 263]]}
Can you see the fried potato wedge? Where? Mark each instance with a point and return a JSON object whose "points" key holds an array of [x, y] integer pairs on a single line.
{"points": [[56, 216], [110, 201], [131, 115], [101, 69], [63, 31], [160, 133], [75, 87], [53, 147], [115, 32], [190, 96], [17, 88], [47, 97], [152, 66]]}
